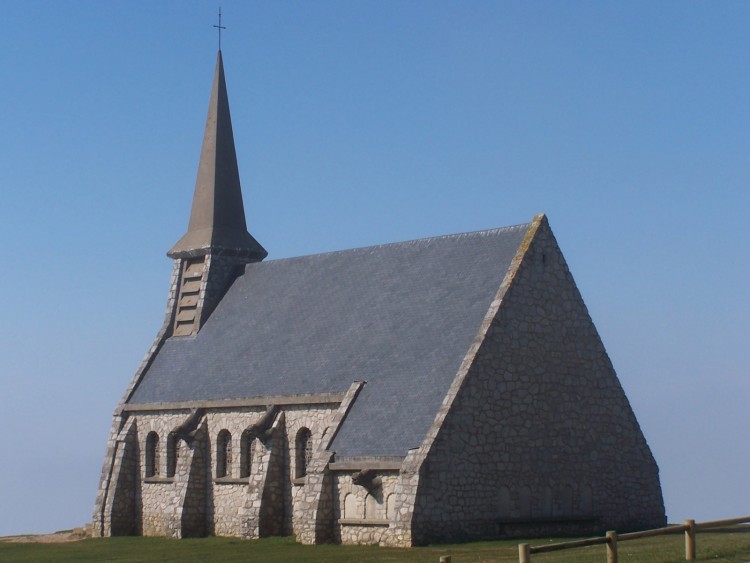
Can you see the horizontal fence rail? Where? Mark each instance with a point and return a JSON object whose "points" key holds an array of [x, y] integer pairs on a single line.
{"points": [[689, 528]]}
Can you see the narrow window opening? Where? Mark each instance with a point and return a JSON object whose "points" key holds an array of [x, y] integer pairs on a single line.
{"points": [[152, 454], [173, 452], [247, 446], [224, 454], [304, 452]]}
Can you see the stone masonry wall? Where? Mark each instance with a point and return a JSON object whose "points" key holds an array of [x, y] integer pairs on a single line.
{"points": [[314, 502], [363, 516], [227, 495], [298, 417], [162, 497], [193, 500], [540, 429], [404, 497], [122, 508], [192, 473], [230, 496]]}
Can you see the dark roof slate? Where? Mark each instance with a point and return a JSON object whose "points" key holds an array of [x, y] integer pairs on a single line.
{"points": [[399, 316]]}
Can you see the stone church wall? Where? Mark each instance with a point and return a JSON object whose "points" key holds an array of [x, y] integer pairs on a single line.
{"points": [[122, 514], [361, 515], [227, 493], [316, 420], [162, 497], [189, 499], [540, 437]]}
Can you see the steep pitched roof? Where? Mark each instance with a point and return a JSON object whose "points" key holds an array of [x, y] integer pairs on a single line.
{"points": [[217, 219], [400, 317]]}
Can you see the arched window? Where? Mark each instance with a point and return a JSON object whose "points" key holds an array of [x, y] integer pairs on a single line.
{"points": [[152, 454], [247, 446], [303, 449], [224, 454], [173, 451], [374, 506], [390, 500], [352, 506]]}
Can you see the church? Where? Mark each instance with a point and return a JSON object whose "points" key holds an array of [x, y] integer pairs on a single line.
{"points": [[441, 389]]}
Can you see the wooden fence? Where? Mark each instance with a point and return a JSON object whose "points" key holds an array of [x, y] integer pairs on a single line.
{"points": [[612, 538]]}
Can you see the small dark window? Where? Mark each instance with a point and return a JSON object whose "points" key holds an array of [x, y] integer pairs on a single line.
{"points": [[173, 451], [152, 454], [224, 454], [304, 450], [247, 445]]}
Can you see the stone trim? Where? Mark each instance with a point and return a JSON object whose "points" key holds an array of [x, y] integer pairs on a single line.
{"points": [[384, 465], [364, 522], [158, 480], [311, 399], [231, 481], [346, 402]]}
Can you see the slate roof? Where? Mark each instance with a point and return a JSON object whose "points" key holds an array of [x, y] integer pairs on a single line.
{"points": [[399, 316]]}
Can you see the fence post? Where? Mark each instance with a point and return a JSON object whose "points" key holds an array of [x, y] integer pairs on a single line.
{"points": [[690, 540], [611, 547], [524, 553]]}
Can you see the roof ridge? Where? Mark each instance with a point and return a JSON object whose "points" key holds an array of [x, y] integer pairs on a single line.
{"points": [[410, 242]]}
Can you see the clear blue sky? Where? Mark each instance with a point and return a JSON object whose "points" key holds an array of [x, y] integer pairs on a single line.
{"points": [[358, 123]]}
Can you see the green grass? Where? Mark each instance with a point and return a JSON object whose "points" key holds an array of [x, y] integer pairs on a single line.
{"points": [[715, 547]]}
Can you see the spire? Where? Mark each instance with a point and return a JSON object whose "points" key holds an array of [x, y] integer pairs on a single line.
{"points": [[217, 219]]}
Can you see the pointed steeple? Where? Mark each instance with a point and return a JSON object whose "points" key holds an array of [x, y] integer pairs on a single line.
{"points": [[217, 246], [217, 220]]}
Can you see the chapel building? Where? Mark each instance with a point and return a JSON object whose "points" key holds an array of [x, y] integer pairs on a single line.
{"points": [[440, 389]]}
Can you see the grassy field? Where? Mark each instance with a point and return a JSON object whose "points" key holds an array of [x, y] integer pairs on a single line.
{"points": [[715, 547]]}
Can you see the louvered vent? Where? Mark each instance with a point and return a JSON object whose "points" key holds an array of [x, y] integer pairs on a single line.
{"points": [[187, 303]]}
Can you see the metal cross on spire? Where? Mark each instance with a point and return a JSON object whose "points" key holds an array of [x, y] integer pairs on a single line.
{"points": [[219, 27]]}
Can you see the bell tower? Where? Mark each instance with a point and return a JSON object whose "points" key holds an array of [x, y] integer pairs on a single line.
{"points": [[216, 245]]}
